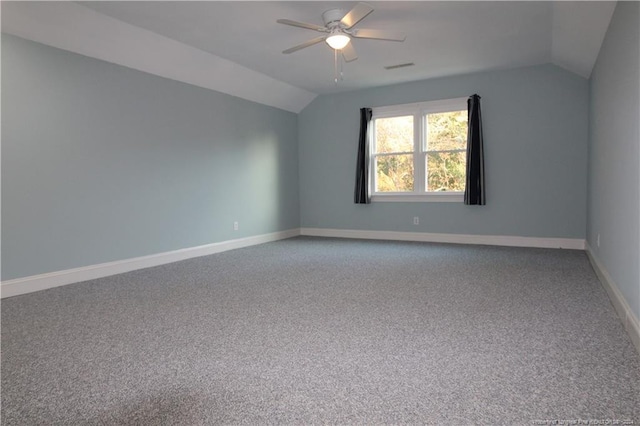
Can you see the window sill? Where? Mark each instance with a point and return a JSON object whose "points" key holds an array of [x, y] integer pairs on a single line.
{"points": [[437, 197]]}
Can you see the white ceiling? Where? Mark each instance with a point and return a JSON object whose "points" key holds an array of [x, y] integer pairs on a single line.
{"points": [[443, 38]]}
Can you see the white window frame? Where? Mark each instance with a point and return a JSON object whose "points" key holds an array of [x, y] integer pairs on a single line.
{"points": [[418, 111]]}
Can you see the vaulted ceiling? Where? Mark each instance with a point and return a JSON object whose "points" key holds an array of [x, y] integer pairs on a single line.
{"points": [[236, 47]]}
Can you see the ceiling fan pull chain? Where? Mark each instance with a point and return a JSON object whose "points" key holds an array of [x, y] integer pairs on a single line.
{"points": [[335, 66]]}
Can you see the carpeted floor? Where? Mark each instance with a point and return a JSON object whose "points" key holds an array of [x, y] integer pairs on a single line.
{"points": [[308, 331]]}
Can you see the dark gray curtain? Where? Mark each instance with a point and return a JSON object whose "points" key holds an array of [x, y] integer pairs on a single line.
{"points": [[362, 195], [474, 193]]}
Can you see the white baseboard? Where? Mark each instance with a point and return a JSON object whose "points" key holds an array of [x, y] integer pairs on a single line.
{"points": [[494, 240], [629, 320], [33, 283]]}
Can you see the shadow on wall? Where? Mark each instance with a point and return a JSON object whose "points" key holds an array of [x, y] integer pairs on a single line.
{"points": [[273, 180]]}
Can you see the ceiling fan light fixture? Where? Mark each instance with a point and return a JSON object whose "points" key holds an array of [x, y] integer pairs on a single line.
{"points": [[338, 41]]}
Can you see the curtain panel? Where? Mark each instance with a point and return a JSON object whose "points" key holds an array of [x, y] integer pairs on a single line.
{"points": [[362, 192], [474, 193]]}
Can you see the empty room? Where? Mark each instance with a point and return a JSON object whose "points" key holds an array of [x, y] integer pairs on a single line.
{"points": [[320, 212]]}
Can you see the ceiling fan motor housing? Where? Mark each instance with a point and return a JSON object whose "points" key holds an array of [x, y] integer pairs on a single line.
{"points": [[332, 17]]}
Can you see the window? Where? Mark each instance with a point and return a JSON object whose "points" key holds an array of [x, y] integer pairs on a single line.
{"points": [[419, 151]]}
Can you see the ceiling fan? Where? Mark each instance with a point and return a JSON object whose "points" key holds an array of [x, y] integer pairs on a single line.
{"points": [[339, 29]]}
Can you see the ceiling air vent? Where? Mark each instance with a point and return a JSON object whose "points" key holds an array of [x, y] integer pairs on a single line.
{"points": [[393, 67]]}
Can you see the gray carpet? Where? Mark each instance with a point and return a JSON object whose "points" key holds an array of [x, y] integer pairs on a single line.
{"points": [[310, 331]]}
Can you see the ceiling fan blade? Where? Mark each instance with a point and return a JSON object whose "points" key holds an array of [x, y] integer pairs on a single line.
{"points": [[356, 15], [349, 53], [305, 44], [380, 34], [301, 24]]}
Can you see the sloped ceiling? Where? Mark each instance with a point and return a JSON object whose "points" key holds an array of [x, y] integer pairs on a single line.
{"points": [[235, 47]]}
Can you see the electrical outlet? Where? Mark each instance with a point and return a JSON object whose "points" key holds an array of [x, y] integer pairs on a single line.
{"points": [[598, 240], [235, 226], [416, 220]]}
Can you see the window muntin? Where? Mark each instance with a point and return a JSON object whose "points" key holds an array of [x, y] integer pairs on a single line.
{"points": [[419, 151]]}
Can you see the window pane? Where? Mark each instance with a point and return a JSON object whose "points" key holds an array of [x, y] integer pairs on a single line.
{"points": [[394, 134], [447, 130], [446, 171], [394, 173]]}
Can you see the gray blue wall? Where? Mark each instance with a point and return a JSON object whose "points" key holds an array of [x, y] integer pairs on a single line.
{"points": [[102, 163], [535, 124], [614, 153]]}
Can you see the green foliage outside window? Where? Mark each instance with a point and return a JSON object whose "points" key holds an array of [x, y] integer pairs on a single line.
{"points": [[395, 173], [446, 171]]}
